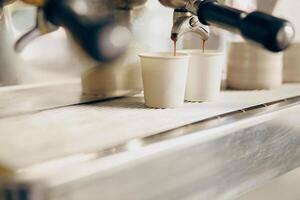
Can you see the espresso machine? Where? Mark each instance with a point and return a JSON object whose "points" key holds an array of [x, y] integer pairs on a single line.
{"points": [[61, 141], [272, 33], [116, 19]]}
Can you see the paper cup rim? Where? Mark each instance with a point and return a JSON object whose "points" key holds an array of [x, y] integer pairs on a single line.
{"points": [[200, 52], [164, 55]]}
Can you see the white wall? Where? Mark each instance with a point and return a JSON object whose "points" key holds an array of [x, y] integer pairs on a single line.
{"points": [[290, 9]]}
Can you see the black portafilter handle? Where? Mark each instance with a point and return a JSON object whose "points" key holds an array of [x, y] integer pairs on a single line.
{"points": [[100, 38], [275, 34]]}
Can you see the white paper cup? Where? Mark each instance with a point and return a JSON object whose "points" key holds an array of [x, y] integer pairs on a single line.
{"points": [[204, 76], [164, 79], [253, 68], [291, 64]]}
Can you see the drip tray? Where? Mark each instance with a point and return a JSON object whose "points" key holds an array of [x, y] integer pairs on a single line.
{"points": [[94, 127]]}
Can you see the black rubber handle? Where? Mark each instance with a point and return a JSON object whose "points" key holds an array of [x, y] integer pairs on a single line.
{"points": [[275, 34], [93, 35]]}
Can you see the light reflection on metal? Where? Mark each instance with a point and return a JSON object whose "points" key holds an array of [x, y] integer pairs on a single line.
{"points": [[114, 40], [139, 144], [134, 145], [228, 161], [55, 164]]}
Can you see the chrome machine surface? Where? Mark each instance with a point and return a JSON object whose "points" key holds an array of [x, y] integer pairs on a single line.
{"points": [[219, 157]]}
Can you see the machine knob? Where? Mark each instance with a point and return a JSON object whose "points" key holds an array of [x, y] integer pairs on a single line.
{"points": [[101, 38], [275, 34]]}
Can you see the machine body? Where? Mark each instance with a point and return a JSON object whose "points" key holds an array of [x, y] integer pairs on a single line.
{"points": [[104, 40]]}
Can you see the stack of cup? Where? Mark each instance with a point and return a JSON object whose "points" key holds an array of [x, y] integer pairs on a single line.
{"points": [[253, 68], [190, 75], [291, 61]]}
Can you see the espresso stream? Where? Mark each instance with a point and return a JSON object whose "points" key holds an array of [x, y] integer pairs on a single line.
{"points": [[175, 48], [175, 51], [203, 45]]}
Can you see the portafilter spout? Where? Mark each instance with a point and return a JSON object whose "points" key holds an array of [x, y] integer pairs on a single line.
{"points": [[184, 22], [273, 33]]}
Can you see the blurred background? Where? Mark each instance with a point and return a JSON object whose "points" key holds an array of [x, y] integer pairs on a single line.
{"points": [[151, 32]]}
